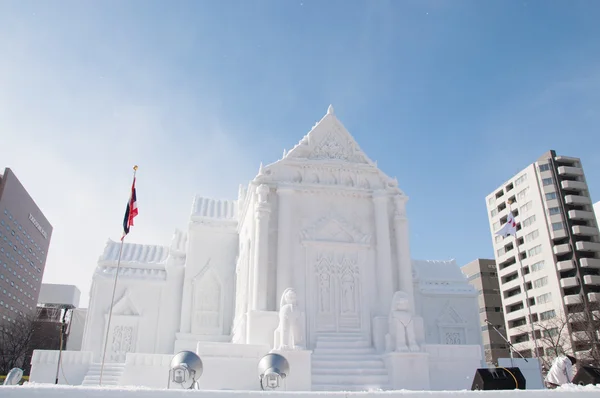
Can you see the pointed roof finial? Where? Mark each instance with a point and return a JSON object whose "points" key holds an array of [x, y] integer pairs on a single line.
{"points": [[330, 110], [284, 153], [261, 170]]}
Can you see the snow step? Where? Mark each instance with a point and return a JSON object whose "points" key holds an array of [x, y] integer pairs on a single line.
{"points": [[347, 362], [111, 374]]}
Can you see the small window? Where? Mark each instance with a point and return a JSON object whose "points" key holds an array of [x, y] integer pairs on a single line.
{"points": [[556, 226], [544, 167], [547, 181], [551, 195], [553, 210]]}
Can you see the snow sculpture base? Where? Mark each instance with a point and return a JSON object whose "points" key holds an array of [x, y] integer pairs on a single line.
{"points": [[300, 378], [408, 370], [187, 341], [261, 327]]}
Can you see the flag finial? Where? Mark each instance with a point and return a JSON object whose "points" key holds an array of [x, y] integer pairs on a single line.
{"points": [[135, 167]]}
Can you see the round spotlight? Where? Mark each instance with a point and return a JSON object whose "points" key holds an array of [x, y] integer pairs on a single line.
{"points": [[272, 368], [13, 377], [186, 369]]}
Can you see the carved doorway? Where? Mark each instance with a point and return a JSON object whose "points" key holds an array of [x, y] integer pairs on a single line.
{"points": [[337, 294]]}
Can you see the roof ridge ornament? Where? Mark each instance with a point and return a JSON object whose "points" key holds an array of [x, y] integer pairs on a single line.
{"points": [[330, 110]]}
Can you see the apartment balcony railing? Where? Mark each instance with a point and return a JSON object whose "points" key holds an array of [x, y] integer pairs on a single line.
{"points": [[591, 280], [569, 282], [588, 246], [565, 265], [581, 215], [562, 249], [574, 185], [577, 200], [590, 262], [570, 171], [585, 231], [572, 299]]}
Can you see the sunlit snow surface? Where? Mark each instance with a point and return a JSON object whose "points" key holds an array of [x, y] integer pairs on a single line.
{"points": [[52, 391]]}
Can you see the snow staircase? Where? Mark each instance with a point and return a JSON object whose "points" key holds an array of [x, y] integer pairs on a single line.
{"points": [[347, 362], [110, 377]]}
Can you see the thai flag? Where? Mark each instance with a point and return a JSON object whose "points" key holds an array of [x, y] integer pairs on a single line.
{"points": [[130, 212]]}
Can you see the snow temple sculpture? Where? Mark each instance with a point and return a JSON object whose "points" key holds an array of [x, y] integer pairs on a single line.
{"points": [[308, 261]]}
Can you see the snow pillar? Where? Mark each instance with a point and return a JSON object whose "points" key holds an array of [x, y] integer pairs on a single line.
{"points": [[261, 253], [384, 255], [284, 269], [403, 248]]}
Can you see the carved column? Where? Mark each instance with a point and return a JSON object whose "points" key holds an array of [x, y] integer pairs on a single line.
{"points": [[384, 255], [403, 248], [261, 252], [284, 265]]}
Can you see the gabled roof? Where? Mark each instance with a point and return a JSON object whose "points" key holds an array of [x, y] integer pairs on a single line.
{"points": [[214, 209], [329, 140], [146, 255]]}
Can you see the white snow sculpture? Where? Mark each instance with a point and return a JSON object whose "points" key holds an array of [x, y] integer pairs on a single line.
{"points": [[401, 335], [289, 334]]}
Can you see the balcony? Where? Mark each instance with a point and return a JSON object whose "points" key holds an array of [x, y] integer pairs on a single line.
{"points": [[581, 215], [585, 231], [591, 280], [569, 282], [577, 200], [590, 262], [574, 185], [580, 336], [572, 299], [570, 171], [587, 247], [562, 249], [565, 265], [594, 297]]}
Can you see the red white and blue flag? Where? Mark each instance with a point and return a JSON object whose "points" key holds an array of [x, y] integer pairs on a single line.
{"points": [[510, 228], [130, 212]]}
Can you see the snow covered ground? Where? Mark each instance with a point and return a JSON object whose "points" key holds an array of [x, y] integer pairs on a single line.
{"points": [[52, 391]]}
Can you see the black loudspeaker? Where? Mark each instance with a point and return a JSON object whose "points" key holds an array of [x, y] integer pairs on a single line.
{"points": [[498, 379], [587, 375]]}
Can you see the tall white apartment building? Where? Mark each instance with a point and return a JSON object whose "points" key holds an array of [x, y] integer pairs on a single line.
{"points": [[556, 279]]}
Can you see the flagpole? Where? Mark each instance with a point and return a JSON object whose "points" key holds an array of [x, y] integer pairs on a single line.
{"points": [[112, 300], [524, 287]]}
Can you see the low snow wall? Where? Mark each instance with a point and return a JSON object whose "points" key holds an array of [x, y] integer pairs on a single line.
{"points": [[74, 366], [45, 391]]}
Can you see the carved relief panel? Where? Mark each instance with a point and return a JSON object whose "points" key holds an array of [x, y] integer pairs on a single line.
{"points": [[122, 337], [338, 298], [207, 304]]}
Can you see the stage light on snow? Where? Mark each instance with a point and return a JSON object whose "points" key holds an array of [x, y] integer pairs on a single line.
{"points": [[186, 369], [272, 368]]}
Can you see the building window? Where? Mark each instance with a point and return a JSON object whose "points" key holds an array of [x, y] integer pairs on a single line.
{"points": [[532, 235], [553, 210], [557, 226], [547, 181], [496, 225], [494, 212], [491, 201], [526, 207], [501, 251], [499, 238], [540, 282], [544, 316], [537, 266], [551, 195], [544, 298], [544, 167], [528, 221], [521, 180], [522, 194]]}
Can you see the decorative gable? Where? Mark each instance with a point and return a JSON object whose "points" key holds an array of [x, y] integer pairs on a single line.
{"points": [[329, 140], [125, 306], [449, 316], [335, 229]]}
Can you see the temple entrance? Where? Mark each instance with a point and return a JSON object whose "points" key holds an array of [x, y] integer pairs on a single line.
{"points": [[337, 296]]}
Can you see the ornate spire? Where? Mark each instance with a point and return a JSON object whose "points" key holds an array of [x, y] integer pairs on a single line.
{"points": [[330, 110]]}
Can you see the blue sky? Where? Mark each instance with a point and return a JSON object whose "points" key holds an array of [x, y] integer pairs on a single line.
{"points": [[451, 97]]}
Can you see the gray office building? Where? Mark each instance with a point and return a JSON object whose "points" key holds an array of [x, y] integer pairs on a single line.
{"points": [[24, 239], [483, 276]]}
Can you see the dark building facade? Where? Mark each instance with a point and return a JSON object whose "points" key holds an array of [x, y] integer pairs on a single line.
{"points": [[25, 235]]}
